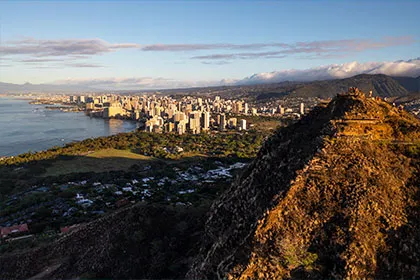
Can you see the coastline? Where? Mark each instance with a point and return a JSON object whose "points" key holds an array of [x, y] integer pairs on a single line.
{"points": [[34, 128]]}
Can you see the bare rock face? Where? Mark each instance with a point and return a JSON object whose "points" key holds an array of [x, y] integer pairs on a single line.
{"points": [[335, 195]]}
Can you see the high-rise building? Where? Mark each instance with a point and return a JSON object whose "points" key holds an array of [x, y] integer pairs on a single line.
{"points": [[181, 127], [81, 99], [194, 125], [242, 124], [233, 122], [159, 121], [104, 98], [302, 109], [113, 110], [238, 107], [206, 120], [246, 109], [157, 111], [135, 115], [188, 109], [179, 116], [171, 127], [170, 113], [73, 99], [90, 106], [195, 122], [222, 123], [281, 110]]}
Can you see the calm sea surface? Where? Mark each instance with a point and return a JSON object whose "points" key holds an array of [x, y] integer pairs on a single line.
{"points": [[25, 127]]}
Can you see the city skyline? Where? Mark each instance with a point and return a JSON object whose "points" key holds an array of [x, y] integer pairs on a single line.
{"points": [[152, 45]]}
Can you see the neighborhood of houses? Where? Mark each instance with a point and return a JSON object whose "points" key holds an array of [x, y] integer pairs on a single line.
{"points": [[72, 203]]}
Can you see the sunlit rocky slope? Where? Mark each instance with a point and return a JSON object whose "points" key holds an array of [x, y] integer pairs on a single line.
{"points": [[334, 196]]}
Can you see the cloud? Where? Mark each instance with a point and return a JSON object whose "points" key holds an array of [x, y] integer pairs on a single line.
{"points": [[338, 71], [355, 44], [409, 67], [39, 60], [46, 67], [134, 83], [84, 65], [275, 54], [31, 50], [216, 62], [197, 47], [67, 47], [315, 49], [299, 47]]}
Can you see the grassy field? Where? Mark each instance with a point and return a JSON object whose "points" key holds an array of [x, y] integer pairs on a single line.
{"points": [[100, 161], [112, 160]]}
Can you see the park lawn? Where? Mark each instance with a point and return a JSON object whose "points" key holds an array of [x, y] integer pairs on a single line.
{"points": [[99, 161]]}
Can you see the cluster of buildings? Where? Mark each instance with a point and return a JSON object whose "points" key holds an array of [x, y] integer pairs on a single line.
{"points": [[182, 115], [94, 198], [14, 230]]}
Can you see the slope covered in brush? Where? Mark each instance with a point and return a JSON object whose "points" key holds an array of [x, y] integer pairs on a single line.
{"points": [[380, 85], [333, 196], [143, 241]]}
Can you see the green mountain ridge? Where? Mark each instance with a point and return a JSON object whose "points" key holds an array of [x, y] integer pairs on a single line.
{"points": [[381, 85]]}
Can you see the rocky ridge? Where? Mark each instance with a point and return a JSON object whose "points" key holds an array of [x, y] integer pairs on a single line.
{"points": [[333, 196]]}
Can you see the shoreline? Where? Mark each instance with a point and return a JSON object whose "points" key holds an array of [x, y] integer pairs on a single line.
{"points": [[59, 140]]}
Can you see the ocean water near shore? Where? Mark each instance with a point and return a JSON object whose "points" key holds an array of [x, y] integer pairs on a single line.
{"points": [[25, 127]]}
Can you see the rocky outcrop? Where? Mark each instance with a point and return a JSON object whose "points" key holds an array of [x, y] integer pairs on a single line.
{"points": [[328, 197]]}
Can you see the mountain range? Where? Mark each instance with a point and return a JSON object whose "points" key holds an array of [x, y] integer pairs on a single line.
{"points": [[379, 84]]}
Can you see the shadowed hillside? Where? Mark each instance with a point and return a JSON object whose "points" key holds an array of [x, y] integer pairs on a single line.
{"points": [[380, 85], [411, 84], [142, 241]]}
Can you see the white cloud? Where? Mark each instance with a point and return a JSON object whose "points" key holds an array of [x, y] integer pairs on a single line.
{"points": [[83, 48], [334, 71], [134, 83], [337, 71], [67, 47]]}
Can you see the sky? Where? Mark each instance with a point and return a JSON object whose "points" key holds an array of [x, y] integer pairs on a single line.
{"points": [[166, 44]]}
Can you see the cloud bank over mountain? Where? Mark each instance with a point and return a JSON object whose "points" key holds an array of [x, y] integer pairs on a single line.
{"points": [[409, 68]]}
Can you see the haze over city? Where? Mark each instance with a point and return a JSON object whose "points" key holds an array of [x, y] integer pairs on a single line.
{"points": [[160, 44]]}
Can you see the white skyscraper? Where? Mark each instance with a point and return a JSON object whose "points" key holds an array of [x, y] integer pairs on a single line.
{"points": [[242, 124], [206, 120], [302, 109]]}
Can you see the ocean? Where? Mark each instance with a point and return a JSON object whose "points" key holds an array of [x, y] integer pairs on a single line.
{"points": [[25, 127]]}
